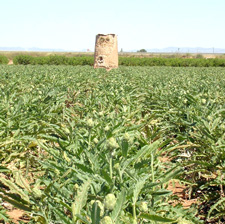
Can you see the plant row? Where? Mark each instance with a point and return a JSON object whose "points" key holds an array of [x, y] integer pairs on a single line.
{"points": [[127, 61], [52, 60]]}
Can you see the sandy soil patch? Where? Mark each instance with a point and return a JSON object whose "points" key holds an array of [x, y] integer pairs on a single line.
{"points": [[10, 62]]}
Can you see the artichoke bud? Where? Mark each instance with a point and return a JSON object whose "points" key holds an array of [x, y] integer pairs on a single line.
{"points": [[76, 187], [117, 166], [90, 123], [106, 220], [204, 101], [95, 140], [112, 143], [37, 192], [144, 206], [126, 137], [106, 128], [110, 201]]}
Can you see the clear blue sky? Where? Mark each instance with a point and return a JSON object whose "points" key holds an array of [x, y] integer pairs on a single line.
{"points": [[73, 24]]}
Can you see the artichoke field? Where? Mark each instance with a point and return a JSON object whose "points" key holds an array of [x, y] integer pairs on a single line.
{"points": [[79, 145]]}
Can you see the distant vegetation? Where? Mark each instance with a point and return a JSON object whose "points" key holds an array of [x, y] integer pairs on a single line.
{"points": [[53, 60], [173, 62], [127, 61], [142, 50]]}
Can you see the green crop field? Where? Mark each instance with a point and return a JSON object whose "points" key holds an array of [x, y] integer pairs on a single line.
{"points": [[79, 145]]}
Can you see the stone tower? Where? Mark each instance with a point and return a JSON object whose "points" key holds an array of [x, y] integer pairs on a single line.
{"points": [[106, 51]]}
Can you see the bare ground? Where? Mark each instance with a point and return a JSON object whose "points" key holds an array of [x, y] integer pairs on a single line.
{"points": [[181, 191], [10, 62], [16, 215]]}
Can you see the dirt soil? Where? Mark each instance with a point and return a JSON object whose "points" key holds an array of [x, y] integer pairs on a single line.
{"points": [[180, 191], [10, 62], [16, 215]]}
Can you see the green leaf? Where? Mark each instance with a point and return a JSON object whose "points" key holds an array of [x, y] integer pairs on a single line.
{"points": [[63, 218], [119, 205], [84, 168], [146, 150], [161, 192], [3, 217], [142, 153], [222, 200], [156, 218], [4, 169], [80, 199], [170, 174], [83, 219], [95, 213], [3, 214], [14, 189], [106, 176], [215, 123], [124, 148], [21, 181], [15, 203], [137, 189]]}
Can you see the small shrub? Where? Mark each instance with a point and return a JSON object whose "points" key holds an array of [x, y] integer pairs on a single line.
{"points": [[23, 60], [4, 59], [57, 60], [199, 56], [40, 61]]}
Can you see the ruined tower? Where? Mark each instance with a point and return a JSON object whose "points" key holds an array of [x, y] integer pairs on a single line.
{"points": [[106, 51]]}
